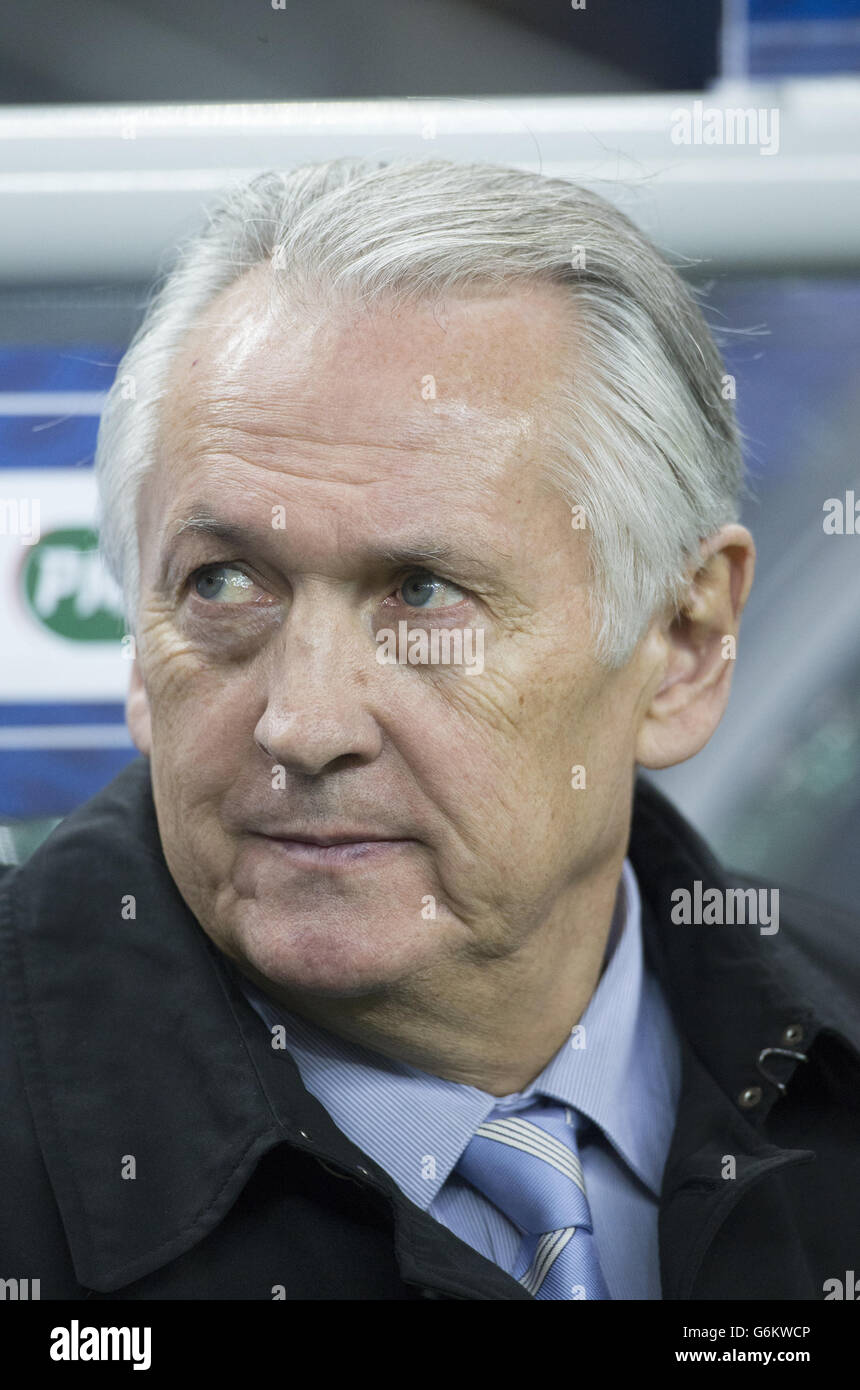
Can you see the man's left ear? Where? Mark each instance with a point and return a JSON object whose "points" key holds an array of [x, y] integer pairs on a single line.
{"points": [[137, 711], [699, 648]]}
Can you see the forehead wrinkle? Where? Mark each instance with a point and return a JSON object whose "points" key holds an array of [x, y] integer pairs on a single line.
{"points": [[307, 459], [445, 431]]}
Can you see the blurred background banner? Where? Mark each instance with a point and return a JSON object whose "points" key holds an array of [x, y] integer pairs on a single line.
{"points": [[731, 135], [61, 682], [766, 38]]}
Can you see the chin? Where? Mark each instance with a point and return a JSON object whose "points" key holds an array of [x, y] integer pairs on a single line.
{"points": [[336, 955]]}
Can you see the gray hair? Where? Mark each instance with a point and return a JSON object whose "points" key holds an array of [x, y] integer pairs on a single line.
{"points": [[644, 439]]}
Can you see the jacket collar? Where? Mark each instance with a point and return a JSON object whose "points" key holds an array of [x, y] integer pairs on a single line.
{"points": [[730, 988], [94, 929], [735, 991]]}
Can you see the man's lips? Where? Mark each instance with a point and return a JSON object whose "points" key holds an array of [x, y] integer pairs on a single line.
{"points": [[335, 837], [336, 850]]}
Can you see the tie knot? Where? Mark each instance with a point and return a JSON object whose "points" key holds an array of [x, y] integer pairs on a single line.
{"points": [[528, 1165]]}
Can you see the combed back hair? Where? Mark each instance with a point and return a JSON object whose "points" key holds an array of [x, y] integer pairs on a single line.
{"points": [[642, 437]]}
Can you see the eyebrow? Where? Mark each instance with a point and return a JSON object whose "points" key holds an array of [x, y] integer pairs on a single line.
{"points": [[420, 552]]}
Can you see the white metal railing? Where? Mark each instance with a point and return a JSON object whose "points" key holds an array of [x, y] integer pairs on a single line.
{"points": [[103, 192]]}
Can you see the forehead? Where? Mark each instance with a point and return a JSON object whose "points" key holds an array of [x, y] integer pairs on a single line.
{"points": [[409, 377]]}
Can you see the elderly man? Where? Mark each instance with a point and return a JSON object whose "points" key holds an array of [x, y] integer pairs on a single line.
{"points": [[382, 973]]}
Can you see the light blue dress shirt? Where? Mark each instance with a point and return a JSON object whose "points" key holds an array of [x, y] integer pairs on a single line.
{"points": [[625, 1079]]}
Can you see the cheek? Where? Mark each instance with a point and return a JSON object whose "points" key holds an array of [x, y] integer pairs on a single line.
{"points": [[530, 765], [490, 751], [203, 711], [202, 740]]}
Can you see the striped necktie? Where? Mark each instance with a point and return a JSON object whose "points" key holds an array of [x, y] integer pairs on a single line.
{"points": [[530, 1169]]}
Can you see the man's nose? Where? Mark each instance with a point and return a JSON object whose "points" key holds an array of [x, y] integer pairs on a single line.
{"points": [[317, 712]]}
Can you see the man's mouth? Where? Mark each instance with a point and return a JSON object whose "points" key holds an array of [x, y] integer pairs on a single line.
{"points": [[337, 849], [335, 837]]}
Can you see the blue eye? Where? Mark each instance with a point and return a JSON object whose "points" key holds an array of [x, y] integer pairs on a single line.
{"points": [[209, 583], [421, 588]]}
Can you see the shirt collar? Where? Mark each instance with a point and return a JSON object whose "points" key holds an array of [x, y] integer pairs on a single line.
{"points": [[416, 1125], [621, 1067]]}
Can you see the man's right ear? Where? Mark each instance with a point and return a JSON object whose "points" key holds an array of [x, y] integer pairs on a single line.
{"points": [[137, 712]]}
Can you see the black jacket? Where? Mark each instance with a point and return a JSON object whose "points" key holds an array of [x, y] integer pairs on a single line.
{"points": [[129, 1039]]}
